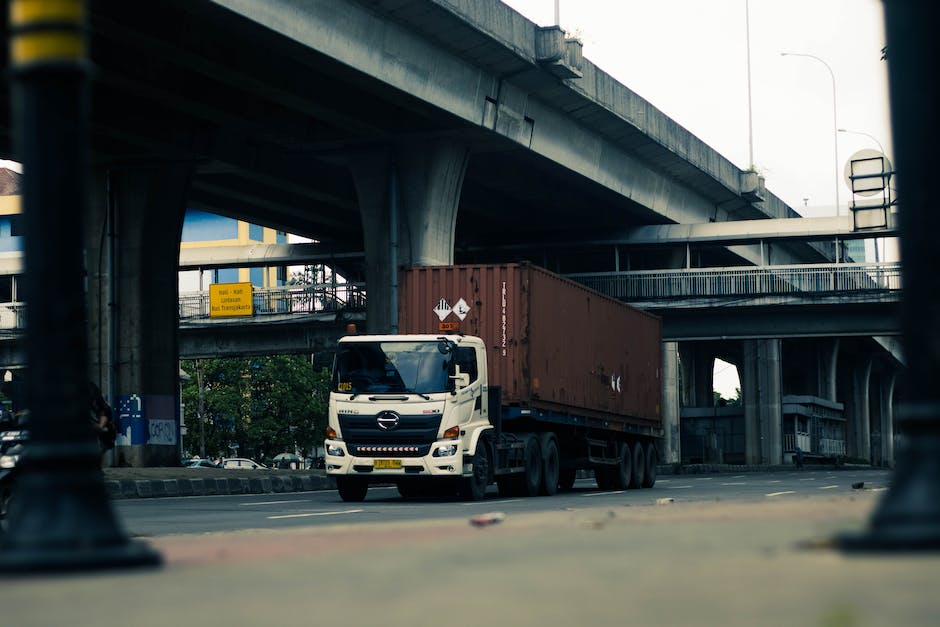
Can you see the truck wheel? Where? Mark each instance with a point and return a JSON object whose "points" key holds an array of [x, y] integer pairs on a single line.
{"points": [[352, 489], [652, 459], [639, 465], [566, 478], [623, 472], [550, 466], [532, 480], [473, 488]]}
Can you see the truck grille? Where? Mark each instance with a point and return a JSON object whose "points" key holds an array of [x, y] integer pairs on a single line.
{"points": [[411, 438]]}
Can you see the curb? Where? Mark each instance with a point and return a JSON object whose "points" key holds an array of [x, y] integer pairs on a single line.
{"points": [[157, 488]]}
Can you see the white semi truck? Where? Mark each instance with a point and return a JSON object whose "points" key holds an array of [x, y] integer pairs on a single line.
{"points": [[549, 378]]}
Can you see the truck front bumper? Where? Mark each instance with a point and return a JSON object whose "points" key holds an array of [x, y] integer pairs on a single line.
{"points": [[388, 466]]}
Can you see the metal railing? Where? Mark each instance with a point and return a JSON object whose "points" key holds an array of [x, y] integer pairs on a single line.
{"points": [[288, 299], [836, 278]]}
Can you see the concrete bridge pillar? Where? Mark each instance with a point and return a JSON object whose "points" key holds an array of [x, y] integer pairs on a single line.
{"points": [[671, 439], [761, 388], [828, 360], [408, 198], [882, 420], [857, 409], [697, 364], [132, 243]]}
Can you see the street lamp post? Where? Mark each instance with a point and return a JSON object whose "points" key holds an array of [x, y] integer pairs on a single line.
{"points": [[835, 125]]}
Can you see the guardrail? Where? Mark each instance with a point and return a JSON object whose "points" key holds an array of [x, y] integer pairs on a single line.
{"points": [[288, 299], [842, 278], [745, 281]]}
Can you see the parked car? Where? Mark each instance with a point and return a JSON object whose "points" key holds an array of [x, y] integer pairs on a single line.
{"points": [[242, 462], [200, 463]]}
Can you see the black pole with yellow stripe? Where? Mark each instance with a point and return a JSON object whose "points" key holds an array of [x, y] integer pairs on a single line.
{"points": [[60, 517]]}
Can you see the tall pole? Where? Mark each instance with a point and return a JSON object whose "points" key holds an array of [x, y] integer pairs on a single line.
{"points": [[907, 518], [60, 517], [750, 114], [835, 124], [557, 13]]}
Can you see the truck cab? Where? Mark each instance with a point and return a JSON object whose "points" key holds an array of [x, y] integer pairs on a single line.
{"points": [[406, 409]]}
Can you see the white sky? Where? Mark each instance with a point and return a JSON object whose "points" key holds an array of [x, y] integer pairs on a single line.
{"points": [[689, 59]]}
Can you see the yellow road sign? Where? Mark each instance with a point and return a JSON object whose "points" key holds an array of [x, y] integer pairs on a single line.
{"points": [[230, 299]]}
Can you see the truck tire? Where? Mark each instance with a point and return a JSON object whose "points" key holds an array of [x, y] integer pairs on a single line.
{"points": [[532, 478], [652, 459], [473, 488], [622, 473], [352, 489], [551, 463], [639, 465]]}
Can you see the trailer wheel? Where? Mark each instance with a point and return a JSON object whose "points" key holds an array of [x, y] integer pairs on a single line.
{"points": [[551, 463], [566, 478], [652, 459], [622, 473], [639, 465], [473, 488], [532, 479], [352, 489]]}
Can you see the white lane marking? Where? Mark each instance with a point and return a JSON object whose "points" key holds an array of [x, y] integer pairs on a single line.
{"points": [[703, 478], [827, 487], [735, 483], [781, 493], [679, 487], [808, 479], [738, 477], [496, 502], [775, 481], [267, 503], [664, 480], [603, 493], [348, 511]]}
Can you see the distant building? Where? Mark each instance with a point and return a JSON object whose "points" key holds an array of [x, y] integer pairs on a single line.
{"points": [[203, 230]]}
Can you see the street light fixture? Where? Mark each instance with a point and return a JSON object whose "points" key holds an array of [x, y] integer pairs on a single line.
{"points": [[871, 137], [835, 125]]}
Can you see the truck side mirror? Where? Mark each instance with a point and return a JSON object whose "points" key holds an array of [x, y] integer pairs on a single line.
{"points": [[461, 379]]}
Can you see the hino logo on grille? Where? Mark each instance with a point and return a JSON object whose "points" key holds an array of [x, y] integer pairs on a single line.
{"points": [[388, 420]]}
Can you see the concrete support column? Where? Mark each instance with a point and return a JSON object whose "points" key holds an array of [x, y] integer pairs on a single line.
{"points": [[857, 412], [881, 389], [671, 435], [828, 359], [418, 186], [132, 248], [761, 386], [697, 365]]}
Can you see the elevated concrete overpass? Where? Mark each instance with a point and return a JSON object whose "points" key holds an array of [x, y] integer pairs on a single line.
{"points": [[415, 131]]}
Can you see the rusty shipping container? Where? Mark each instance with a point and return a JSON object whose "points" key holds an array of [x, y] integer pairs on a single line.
{"points": [[553, 344]]}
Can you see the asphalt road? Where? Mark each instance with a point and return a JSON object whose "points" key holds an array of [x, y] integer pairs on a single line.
{"points": [[183, 515]]}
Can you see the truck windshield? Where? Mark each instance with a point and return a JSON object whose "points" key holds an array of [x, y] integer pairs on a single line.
{"points": [[391, 367]]}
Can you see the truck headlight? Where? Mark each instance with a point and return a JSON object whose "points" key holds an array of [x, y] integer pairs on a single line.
{"points": [[447, 450], [335, 450], [9, 461]]}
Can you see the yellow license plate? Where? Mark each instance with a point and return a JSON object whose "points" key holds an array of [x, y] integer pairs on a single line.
{"points": [[388, 463]]}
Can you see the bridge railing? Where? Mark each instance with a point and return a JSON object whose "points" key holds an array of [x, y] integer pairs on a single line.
{"points": [[288, 299], [745, 281]]}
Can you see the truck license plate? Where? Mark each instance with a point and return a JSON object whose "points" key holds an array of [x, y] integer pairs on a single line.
{"points": [[388, 463]]}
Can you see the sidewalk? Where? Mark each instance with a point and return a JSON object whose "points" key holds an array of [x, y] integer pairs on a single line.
{"points": [[723, 564], [124, 483]]}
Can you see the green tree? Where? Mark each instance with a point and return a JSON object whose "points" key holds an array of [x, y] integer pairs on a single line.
{"points": [[265, 405]]}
